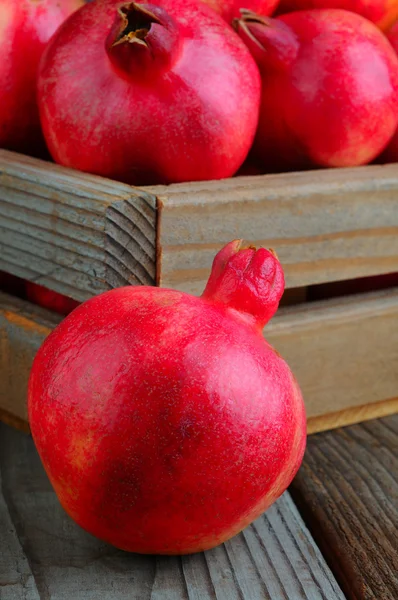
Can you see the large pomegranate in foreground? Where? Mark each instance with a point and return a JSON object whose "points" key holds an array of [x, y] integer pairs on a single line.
{"points": [[25, 28], [165, 422]]}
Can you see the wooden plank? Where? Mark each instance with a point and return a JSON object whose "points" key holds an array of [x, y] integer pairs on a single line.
{"points": [[273, 559], [347, 490], [349, 416], [72, 232], [16, 577], [344, 353], [23, 328], [325, 225]]}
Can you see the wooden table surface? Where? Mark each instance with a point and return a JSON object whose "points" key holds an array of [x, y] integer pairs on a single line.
{"points": [[334, 535]]}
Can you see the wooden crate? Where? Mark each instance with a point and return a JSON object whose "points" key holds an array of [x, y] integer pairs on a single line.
{"points": [[80, 235]]}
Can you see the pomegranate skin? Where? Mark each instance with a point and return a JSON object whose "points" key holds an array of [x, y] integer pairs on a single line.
{"points": [[230, 9], [329, 92], [49, 299], [25, 28], [184, 108], [165, 422], [390, 155], [381, 12]]}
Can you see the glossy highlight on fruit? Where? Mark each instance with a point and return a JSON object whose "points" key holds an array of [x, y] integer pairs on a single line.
{"points": [[25, 28], [329, 89], [149, 93], [165, 422]]}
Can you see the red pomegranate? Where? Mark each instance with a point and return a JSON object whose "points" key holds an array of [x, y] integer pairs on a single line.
{"points": [[49, 299], [165, 422], [381, 12], [25, 28], [390, 155], [230, 9], [149, 93], [329, 89]]}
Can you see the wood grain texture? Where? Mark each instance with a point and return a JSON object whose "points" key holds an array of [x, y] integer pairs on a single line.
{"points": [[274, 559], [16, 577], [344, 352], [347, 490], [325, 225], [75, 233], [23, 328], [349, 416]]}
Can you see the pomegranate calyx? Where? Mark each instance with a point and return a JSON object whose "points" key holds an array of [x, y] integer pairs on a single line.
{"points": [[136, 22], [271, 42], [144, 41], [247, 280]]}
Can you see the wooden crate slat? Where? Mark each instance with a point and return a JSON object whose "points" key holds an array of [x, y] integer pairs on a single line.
{"points": [[347, 489], [75, 233], [23, 328], [344, 353], [274, 559], [325, 225], [354, 414]]}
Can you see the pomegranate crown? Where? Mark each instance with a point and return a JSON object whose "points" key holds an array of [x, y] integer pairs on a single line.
{"points": [[248, 280], [271, 42]]}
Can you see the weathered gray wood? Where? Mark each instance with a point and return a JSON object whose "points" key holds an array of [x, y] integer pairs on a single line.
{"points": [[348, 491], [325, 225], [274, 559], [75, 233], [16, 578]]}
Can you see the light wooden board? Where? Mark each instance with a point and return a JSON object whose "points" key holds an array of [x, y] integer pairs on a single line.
{"points": [[347, 489], [349, 416], [344, 353], [75, 233], [274, 559], [325, 225]]}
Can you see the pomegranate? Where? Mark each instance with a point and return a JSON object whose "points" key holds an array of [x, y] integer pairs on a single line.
{"points": [[149, 93], [49, 299], [25, 27], [329, 88], [392, 36], [229, 9], [381, 12], [165, 422], [391, 152]]}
